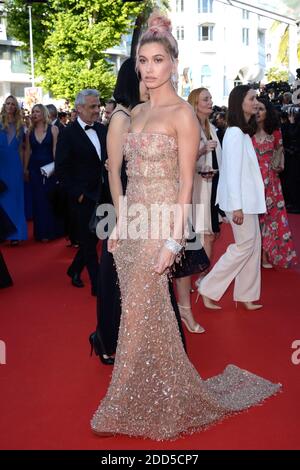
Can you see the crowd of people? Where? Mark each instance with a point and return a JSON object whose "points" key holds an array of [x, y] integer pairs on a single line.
{"points": [[148, 146]]}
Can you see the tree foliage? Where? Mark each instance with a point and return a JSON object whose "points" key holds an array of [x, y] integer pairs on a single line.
{"points": [[69, 39], [276, 75]]}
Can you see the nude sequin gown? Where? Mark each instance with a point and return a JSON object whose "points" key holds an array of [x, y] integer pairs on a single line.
{"points": [[155, 391]]}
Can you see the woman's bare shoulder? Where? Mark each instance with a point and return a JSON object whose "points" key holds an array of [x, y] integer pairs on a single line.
{"points": [[183, 112], [138, 109]]}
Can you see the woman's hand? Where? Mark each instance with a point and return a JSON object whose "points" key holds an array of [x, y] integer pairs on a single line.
{"points": [[278, 169], [26, 175], [106, 164], [238, 217], [164, 260], [210, 145]]}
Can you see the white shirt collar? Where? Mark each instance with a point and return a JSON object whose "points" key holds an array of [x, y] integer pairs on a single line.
{"points": [[82, 123]]}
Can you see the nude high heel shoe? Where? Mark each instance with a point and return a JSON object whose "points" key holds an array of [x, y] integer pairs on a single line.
{"points": [[251, 306], [186, 315], [207, 302]]}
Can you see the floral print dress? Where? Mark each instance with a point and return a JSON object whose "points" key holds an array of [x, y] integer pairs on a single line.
{"points": [[276, 235]]}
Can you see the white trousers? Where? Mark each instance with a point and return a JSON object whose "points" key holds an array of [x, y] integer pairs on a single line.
{"points": [[240, 262]]}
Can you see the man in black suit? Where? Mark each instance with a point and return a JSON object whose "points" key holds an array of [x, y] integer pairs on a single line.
{"points": [[79, 163], [53, 114]]}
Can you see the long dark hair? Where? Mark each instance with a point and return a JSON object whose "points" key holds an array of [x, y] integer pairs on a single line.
{"points": [[127, 89], [271, 122], [236, 116]]}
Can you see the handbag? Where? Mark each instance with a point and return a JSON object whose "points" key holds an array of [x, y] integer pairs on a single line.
{"points": [[47, 170], [277, 160]]}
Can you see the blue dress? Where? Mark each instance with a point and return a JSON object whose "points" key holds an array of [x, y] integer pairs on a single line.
{"points": [[11, 172], [46, 225]]}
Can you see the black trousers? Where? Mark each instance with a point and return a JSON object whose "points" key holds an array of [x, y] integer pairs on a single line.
{"points": [[86, 255], [5, 279], [109, 304]]}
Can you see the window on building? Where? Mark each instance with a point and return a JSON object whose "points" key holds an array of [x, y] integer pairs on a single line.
{"points": [[245, 14], [18, 63], [205, 76], [245, 39], [205, 6], [4, 53], [17, 89], [225, 82], [261, 39], [180, 33], [179, 5], [268, 57], [205, 32]]}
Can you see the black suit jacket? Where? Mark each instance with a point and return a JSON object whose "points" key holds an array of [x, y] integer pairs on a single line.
{"points": [[58, 124], [77, 165]]}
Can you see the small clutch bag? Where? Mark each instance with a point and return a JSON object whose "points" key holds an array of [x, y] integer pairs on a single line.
{"points": [[277, 160], [47, 170]]}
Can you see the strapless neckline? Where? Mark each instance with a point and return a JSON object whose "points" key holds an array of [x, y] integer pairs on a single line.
{"points": [[153, 133]]}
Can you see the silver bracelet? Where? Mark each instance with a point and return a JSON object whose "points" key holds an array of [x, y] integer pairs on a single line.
{"points": [[173, 246]]}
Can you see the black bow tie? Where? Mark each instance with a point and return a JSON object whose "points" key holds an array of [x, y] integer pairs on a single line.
{"points": [[87, 127]]}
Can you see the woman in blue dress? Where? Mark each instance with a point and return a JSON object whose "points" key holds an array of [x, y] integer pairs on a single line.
{"points": [[11, 167], [40, 150]]}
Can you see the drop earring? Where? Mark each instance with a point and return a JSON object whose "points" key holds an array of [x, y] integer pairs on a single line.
{"points": [[173, 80]]}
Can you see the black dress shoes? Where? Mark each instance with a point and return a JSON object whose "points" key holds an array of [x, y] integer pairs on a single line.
{"points": [[96, 346], [75, 279]]}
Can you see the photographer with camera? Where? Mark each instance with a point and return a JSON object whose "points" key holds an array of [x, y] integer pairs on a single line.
{"points": [[290, 178]]}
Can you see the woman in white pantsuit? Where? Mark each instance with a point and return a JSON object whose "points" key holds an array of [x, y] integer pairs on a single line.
{"points": [[241, 195]]}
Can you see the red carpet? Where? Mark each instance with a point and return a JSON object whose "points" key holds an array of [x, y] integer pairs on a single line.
{"points": [[50, 386]]}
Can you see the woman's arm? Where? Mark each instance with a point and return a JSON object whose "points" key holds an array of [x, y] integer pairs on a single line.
{"points": [[54, 131], [278, 148], [188, 135], [26, 154], [118, 126], [233, 153]]}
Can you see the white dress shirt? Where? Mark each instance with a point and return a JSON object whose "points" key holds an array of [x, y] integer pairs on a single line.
{"points": [[92, 135], [240, 183]]}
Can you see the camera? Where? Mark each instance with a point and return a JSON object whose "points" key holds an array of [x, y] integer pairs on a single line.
{"points": [[275, 90], [291, 109]]}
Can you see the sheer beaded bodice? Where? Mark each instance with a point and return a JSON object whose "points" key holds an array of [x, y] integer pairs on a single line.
{"points": [[155, 391], [152, 167]]}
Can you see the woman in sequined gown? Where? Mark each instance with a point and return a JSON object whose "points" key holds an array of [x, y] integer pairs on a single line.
{"points": [[155, 391]]}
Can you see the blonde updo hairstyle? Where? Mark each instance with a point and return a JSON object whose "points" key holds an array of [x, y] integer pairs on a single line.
{"points": [[160, 30]]}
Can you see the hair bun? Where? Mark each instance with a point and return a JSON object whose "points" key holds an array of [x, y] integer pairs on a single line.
{"points": [[157, 21]]}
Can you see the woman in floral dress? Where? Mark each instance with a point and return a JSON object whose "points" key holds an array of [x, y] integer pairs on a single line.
{"points": [[277, 245]]}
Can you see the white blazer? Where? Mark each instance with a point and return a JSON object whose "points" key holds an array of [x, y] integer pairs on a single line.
{"points": [[240, 183]]}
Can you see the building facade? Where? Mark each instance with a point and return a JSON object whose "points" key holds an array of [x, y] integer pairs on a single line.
{"points": [[14, 75], [221, 44]]}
